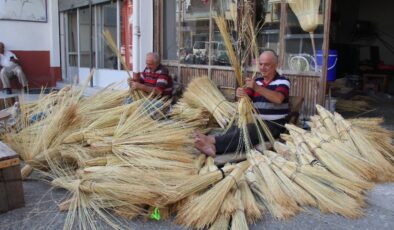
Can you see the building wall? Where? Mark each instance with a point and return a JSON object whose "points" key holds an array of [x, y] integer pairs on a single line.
{"points": [[37, 46]]}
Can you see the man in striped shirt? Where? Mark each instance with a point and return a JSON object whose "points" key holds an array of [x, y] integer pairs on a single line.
{"points": [[270, 95], [154, 79]]}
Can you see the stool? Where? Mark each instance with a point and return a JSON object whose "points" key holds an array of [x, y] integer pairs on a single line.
{"points": [[11, 190], [367, 77]]}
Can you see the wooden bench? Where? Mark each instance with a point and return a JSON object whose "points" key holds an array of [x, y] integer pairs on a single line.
{"points": [[11, 190]]}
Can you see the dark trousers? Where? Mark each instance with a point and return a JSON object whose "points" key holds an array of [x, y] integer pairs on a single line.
{"points": [[231, 141]]}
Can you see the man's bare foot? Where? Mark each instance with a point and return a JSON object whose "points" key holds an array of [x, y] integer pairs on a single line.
{"points": [[205, 145], [205, 138]]}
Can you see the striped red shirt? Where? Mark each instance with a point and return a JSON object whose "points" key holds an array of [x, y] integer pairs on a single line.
{"points": [[159, 79]]}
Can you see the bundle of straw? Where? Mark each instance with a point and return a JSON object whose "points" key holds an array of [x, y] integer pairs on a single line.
{"points": [[226, 211], [203, 211], [202, 92], [238, 218], [253, 212], [367, 150], [352, 106], [380, 137], [198, 117], [322, 186]]}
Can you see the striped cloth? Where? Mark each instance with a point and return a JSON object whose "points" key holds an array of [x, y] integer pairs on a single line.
{"points": [[266, 109], [159, 78]]}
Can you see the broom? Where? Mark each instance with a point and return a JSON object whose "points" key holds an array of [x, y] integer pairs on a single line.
{"points": [[328, 197], [290, 188], [238, 218], [203, 211], [226, 211], [337, 163], [326, 117], [264, 197], [274, 183], [252, 210], [366, 149], [307, 12]]}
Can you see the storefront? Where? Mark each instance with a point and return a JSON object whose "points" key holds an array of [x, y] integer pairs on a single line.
{"points": [[184, 32], [83, 44], [192, 46]]}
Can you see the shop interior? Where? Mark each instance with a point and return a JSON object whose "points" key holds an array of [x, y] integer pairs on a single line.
{"points": [[362, 34]]}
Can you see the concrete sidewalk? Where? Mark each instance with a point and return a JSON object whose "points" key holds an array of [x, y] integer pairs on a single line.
{"points": [[41, 212]]}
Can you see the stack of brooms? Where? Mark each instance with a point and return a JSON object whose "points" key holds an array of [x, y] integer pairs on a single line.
{"points": [[126, 162]]}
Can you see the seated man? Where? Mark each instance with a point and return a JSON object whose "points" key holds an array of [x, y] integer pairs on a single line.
{"points": [[10, 67], [270, 96], [154, 79]]}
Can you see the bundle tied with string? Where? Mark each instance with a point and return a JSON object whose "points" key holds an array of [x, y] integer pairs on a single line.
{"points": [[246, 111], [307, 12], [203, 93], [203, 210]]}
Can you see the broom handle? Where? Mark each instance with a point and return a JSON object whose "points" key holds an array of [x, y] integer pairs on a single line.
{"points": [[313, 44]]}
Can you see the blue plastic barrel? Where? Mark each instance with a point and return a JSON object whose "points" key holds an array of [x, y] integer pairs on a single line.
{"points": [[331, 63]]}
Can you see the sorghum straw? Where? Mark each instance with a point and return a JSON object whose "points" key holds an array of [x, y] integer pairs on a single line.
{"points": [[252, 210], [328, 197], [367, 150], [238, 218], [202, 92], [203, 211]]}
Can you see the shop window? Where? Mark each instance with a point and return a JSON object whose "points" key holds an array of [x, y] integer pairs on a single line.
{"points": [[170, 42], [190, 33], [303, 36], [72, 44], [303, 32], [85, 38], [268, 14], [86, 45], [107, 20]]}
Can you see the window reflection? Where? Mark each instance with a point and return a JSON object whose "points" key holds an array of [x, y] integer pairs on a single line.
{"points": [[107, 21], [197, 37]]}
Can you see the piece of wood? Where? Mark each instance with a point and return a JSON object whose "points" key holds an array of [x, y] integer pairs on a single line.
{"points": [[9, 163], [11, 190], [4, 115], [7, 101], [15, 194], [3, 198], [6, 152]]}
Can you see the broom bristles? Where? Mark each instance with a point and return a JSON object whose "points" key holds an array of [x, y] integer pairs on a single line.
{"points": [[203, 211]]}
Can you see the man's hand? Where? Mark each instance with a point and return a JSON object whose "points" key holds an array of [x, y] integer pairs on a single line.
{"points": [[240, 92], [14, 60], [136, 85], [250, 83], [129, 81]]}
